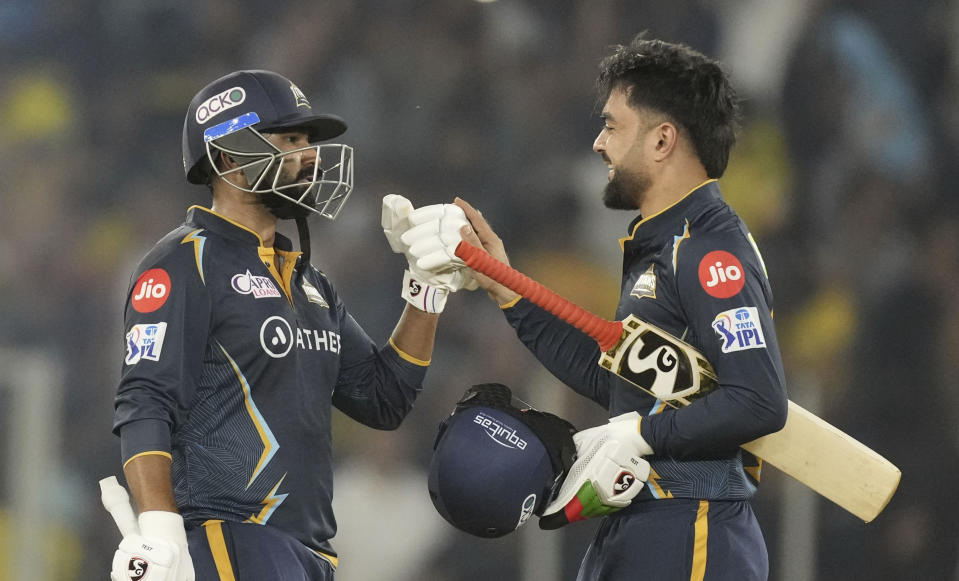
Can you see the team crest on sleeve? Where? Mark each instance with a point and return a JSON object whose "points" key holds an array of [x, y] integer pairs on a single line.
{"points": [[150, 291], [314, 295], [721, 274], [145, 341], [739, 329], [646, 284]]}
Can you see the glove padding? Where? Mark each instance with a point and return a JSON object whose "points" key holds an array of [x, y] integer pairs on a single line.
{"points": [[158, 552], [433, 236], [608, 474], [426, 289]]}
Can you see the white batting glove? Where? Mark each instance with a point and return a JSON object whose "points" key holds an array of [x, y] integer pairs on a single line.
{"points": [[608, 474], [425, 289], [433, 236], [158, 552]]}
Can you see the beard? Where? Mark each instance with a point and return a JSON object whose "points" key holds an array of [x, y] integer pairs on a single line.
{"points": [[625, 189], [286, 209]]}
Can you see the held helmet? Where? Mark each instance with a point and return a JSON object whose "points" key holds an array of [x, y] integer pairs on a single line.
{"points": [[495, 465], [232, 114]]}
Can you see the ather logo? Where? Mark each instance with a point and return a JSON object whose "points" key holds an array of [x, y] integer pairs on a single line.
{"points": [[276, 337]]}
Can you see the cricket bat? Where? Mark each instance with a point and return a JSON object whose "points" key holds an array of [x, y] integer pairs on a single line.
{"points": [[808, 448]]}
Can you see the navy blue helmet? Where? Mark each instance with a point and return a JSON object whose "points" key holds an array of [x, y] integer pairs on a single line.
{"points": [[231, 116], [495, 465]]}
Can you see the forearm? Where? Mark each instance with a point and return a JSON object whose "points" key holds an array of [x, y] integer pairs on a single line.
{"points": [[567, 353], [716, 424], [150, 482], [415, 333]]}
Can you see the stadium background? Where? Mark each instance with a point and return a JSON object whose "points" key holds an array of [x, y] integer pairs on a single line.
{"points": [[845, 172]]}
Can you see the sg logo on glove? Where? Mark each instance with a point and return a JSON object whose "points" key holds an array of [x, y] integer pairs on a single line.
{"points": [[623, 482], [137, 569], [415, 288]]}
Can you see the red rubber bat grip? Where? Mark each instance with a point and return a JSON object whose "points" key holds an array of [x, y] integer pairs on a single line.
{"points": [[606, 333]]}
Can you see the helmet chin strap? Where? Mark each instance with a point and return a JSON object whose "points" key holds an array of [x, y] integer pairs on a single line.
{"points": [[286, 210], [304, 231]]}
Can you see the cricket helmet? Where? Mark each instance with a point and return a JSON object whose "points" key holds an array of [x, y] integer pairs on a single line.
{"points": [[232, 114], [495, 465]]}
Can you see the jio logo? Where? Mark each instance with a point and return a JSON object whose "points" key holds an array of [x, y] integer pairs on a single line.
{"points": [[150, 291], [721, 274], [276, 337]]}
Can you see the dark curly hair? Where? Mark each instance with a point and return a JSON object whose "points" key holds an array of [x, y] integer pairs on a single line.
{"points": [[686, 86]]}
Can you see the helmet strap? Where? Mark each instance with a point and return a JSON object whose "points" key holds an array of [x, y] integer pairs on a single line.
{"points": [[303, 228]]}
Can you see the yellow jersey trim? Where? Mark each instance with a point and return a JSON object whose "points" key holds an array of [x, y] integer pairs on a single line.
{"points": [[407, 357], [198, 242], [231, 221], [166, 455], [623, 241], [701, 536], [511, 304], [335, 561], [221, 556]]}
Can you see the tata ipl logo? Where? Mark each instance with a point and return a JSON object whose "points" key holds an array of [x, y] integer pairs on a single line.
{"points": [[219, 103]]}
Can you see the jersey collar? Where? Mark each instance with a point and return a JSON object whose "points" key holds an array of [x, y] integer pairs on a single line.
{"points": [[650, 230], [209, 220]]}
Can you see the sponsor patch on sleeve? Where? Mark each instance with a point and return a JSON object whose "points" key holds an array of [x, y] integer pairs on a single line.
{"points": [[145, 341], [150, 291], [739, 329], [721, 274]]}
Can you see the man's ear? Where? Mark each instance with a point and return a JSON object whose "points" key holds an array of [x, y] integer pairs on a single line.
{"points": [[224, 161], [666, 138]]}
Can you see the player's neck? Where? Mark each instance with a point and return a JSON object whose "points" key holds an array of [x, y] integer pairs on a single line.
{"points": [[248, 213], [671, 186]]}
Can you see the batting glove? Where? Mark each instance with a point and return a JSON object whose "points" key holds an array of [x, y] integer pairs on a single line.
{"points": [[158, 552], [608, 474], [425, 289]]}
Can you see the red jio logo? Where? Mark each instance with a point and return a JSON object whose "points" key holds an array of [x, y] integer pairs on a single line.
{"points": [[721, 274], [151, 290]]}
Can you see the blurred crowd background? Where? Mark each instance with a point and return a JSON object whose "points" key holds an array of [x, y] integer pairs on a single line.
{"points": [[845, 172]]}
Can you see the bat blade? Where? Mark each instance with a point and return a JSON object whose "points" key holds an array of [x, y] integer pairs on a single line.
{"points": [[831, 462], [808, 448]]}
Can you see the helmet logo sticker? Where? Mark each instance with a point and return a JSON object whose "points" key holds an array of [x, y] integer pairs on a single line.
{"points": [[219, 103], [299, 97], [529, 505], [500, 433]]}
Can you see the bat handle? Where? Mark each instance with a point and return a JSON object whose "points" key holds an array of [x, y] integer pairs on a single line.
{"points": [[606, 333], [117, 502]]}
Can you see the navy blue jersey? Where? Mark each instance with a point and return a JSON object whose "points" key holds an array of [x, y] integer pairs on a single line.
{"points": [[234, 359], [694, 271]]}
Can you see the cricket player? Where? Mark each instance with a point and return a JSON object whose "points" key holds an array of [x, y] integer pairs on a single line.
{"points": [[690, 267], [237, 348]]}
